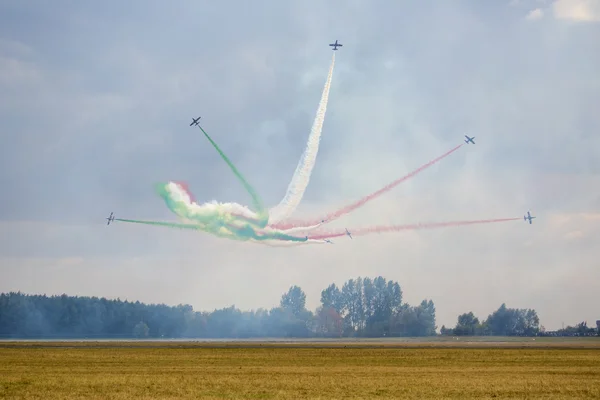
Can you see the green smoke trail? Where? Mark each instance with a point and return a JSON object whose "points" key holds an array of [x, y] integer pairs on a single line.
{"points": [[243, 233], [167, 224], [263, 214]]}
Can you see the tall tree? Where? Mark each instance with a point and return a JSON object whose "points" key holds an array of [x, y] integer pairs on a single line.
{"points": [[353, 304], [294, 300], [332, 298]]}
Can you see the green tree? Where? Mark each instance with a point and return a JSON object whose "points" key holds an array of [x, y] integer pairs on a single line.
{"points": [[513, 322], [467, 325], [381, 300], [354, 305], [141, 330], [294, 301], [332, 298]]}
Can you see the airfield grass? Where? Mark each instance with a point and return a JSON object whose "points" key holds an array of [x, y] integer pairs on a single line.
{"points": [[71, 370]]}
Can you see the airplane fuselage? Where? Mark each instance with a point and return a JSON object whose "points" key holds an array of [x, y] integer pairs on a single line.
{"points": [[336, 45], [528, 217]]}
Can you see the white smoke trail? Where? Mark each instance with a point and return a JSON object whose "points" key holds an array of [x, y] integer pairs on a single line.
{"points": [[306, 164], [277, 243], [297, 229]]}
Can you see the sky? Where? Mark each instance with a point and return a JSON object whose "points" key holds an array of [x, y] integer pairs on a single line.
{"points": [[96, 101]]}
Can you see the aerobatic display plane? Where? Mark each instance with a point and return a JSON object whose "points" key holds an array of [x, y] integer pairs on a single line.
{"points": [[469, 139], [528, 217], [110, 218], [195, 121], [328, 241], [336, 45], [348, 233]]}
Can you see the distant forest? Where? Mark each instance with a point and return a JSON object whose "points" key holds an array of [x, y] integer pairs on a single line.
{"points": [[363, 307]]}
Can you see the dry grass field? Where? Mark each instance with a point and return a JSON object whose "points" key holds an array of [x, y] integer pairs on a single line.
{"points": [[461, 369]]}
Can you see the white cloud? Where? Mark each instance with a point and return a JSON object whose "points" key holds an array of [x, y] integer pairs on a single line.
{"points": [[577, 10], [538, 13]]}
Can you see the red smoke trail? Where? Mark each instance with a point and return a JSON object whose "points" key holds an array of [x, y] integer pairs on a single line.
{"points": [[185, 187], [397, 228], [351, 207]]}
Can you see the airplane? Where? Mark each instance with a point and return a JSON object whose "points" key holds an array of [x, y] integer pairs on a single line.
{"points": [[528, 217], [195, 121], [469, 139], [336, 45], [110, 218], [348, 233], [328, 241]]}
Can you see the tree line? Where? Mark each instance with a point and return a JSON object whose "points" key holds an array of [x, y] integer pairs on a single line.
{"points": [[513, 322], [361, 307]]}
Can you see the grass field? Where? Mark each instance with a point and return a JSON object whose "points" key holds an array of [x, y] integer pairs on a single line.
{"points": [[470, 368]]}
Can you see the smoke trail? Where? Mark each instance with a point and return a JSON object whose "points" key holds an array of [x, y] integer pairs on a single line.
{"points": [[301, 176], [214, 214], [397, 228], [225, 220], [258, 205], [218, 219], [166, 224], [290, 244], [242, 233], [351, 207]]}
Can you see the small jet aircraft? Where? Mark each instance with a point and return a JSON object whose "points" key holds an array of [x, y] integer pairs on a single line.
{"points": [[336, 45], [348, 233], [469, 139], [195, 121], [528, 217], [110, 218], [328, 241]]}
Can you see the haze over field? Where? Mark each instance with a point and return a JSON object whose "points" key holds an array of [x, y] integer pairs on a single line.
{"points": [[95, 104]]}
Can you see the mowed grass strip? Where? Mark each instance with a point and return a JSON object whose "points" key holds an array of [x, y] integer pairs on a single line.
{"points": [[291, 373]]}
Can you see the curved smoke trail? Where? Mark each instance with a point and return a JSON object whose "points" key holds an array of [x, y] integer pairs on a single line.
{"points": [[214, 214], [398, 228], [361, 202], [301, 176], [261, 218], [225, 220]]}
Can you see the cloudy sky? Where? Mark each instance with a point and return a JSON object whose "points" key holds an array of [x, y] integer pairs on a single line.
{"points": [[96, 99]]}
